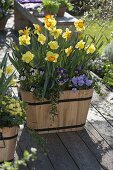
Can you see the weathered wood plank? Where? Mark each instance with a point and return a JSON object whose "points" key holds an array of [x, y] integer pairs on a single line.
{"points": [[104, 104], [58, 154], [101, 125], [42, 162], [99, 147], [79, 151]]}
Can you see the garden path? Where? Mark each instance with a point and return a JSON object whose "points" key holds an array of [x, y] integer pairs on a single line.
{"points": [[90, 149]]}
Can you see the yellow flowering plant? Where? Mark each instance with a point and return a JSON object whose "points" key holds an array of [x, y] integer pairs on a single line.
{"points": [[12, 111], [50, 59]]}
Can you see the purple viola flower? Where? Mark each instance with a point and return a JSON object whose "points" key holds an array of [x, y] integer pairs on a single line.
{"points": [[61, 71], [74, 81], [74, 90], [61, 81], [89, 82], [81, 82]]}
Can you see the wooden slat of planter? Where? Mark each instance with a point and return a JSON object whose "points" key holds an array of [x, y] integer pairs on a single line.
{"points": [[101, 125], [98, 146], [42, 162], [79, 151]]}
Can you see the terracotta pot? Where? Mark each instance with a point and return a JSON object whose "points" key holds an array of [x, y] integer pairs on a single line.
{"points": [[8, 138], [48, 13], [61, 11], [72, 111]]}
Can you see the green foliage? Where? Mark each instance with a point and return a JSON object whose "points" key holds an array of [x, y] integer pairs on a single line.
{"points": [[50, 6], [4, 78], [108, 52], [65, 3], [99, 9], [27, 156], [4, 7], [12, 111], [39, 140]]}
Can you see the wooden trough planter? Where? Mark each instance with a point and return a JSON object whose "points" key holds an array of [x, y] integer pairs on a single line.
{"points": [[8, 138], [72, 112]]}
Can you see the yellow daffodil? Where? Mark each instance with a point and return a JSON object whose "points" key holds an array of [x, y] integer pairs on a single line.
{"points": [[37, 29], [1, 71], [56, 32], [9, 69], [27, 57], [67, 34], [51, 57], [69, 50], [50, 23], [79, 24], [42, 39], [53, 45], [24, 40], [48, 17], [91, 49], [26, 31], [80, 44]]}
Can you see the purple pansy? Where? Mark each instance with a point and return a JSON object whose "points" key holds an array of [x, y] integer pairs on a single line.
{"points": [[61, 76], [81, 80]]}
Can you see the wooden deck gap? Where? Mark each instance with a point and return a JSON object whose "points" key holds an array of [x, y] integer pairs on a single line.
{"points": [[50, 161]]}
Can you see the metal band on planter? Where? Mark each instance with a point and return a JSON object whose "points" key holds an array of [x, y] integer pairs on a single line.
{"points": [[7, 161], [60, 101], [59, 128]]}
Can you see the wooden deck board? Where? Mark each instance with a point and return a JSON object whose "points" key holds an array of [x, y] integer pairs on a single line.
{"points": [[79, 151], [42, 161], [99, 147], [101, 125], [104, 105]]}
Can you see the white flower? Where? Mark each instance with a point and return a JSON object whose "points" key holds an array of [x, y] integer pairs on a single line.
{"points": [[22, 77], [34, 150], [32, 89]]}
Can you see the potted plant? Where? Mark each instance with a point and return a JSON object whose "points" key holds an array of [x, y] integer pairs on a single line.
{"points": [[54, 74], [50, 7], [63, 5], [12, 113], [4, 8]]}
